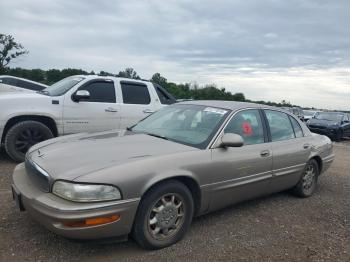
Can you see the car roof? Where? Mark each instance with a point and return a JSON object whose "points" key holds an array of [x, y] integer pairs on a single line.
{"points": [[24, 79], [231, 105]]}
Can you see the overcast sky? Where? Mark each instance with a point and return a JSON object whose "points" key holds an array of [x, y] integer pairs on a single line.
{"points": [[297, 50]]}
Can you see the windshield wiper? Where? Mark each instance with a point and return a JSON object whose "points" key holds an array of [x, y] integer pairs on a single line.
{"points": [[159, 136]]}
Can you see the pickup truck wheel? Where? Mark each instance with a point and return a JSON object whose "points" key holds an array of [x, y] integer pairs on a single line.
{"points": [[164, 215], [308, 181], [22, 136]]}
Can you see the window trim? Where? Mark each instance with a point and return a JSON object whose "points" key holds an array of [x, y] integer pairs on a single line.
{"points": [[95, 81], [137, 84]]}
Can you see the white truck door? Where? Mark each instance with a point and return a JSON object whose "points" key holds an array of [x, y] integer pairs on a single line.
{"points": [[139, 101], [98, 113]]}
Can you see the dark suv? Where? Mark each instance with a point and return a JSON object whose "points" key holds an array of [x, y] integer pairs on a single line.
{"points": [[335, 125]]}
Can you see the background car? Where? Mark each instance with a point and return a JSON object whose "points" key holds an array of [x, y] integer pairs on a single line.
{"points": [[21, 83], [335, 125], [308, 114], [185, 160]]}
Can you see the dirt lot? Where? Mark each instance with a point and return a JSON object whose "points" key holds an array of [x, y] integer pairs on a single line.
{"points": [[275, 228]]}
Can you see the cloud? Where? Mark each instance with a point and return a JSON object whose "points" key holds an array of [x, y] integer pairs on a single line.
{"points": [[263, 48]]}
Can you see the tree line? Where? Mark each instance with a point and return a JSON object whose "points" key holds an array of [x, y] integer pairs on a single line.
{"points": [[180, 91]]}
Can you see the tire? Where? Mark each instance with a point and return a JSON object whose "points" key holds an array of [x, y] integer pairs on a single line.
{"points": [[339, 136], [22, 136], [308, 181], [154, 216]]}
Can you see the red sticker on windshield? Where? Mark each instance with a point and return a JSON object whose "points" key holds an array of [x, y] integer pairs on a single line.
{"points": [[247, 129]]}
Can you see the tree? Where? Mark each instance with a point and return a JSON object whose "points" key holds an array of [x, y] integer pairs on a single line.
{"points": [[129, 73], [159, 79], [9, 50]]}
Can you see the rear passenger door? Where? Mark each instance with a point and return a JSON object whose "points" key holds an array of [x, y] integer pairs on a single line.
{"points": [[290, 148], [137, 102]]}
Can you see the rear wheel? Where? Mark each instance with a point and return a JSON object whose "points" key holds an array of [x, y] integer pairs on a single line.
{"points": [[24, 135], [308, 182], [164, 215]]}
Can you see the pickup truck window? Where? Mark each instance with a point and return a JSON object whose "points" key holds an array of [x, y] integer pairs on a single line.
{"points": [[164, 98], [135, 93], [100, 92]]}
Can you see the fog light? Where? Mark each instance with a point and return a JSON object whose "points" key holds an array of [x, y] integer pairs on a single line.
{"points": [[92, 221]]}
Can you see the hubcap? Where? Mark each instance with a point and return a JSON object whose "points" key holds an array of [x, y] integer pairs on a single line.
{"points": [[27, 139], [309, 177], [166, 216]]}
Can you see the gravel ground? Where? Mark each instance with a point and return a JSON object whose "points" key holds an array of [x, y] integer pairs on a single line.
{"points": [[279, 227]]}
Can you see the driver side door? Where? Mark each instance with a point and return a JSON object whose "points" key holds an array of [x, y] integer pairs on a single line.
{"points": [[242, 172], [98, 113]]}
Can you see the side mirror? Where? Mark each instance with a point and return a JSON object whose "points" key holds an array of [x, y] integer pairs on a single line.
{"points": [[231, 140], [81, 95]]}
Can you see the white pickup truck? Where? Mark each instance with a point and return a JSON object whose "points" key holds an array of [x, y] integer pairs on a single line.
{"points": [[73, 105]]}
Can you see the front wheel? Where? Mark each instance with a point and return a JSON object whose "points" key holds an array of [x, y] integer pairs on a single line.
{"points": [[164, 215], [22, 136], [308, 181]]}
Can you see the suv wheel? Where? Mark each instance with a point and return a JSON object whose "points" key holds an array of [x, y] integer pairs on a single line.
{"points": [[24, 135], [164, 215]]}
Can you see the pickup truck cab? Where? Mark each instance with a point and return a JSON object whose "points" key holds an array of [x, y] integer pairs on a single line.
{"points": [[73, 105]]}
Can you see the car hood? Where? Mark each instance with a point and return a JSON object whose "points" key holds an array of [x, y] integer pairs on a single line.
{"points": [[78, 155], [322, 122]]}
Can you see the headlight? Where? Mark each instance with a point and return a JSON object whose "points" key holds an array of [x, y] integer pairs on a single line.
{"points": [[85, 192]]}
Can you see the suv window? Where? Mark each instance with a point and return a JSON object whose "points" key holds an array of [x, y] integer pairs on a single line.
{"points": [[135, 93], [280, 125], [101, 91], [248, 124], [297, 128]]}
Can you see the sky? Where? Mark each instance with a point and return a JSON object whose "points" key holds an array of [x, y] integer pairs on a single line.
{"points": [[295, 50]]}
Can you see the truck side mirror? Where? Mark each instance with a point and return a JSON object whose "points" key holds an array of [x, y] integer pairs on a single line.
{"points": [[81, 95]]}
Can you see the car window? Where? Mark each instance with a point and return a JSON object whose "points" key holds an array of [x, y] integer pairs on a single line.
{"points": [[135, 93], [101, 91], [187, 124], [29, 85], [346, 117], [163, 97], [280, 125], [9, 81], [248, 124], [297, 128]]}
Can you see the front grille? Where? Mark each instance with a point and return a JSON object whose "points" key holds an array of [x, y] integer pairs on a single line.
{"points": [[37, 175]]}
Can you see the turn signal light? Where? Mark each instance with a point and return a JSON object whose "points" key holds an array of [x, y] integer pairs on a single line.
{"points": [[92, 221]]}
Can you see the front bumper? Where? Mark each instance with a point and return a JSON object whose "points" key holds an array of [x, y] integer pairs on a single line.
{"points": [[52, 211]]}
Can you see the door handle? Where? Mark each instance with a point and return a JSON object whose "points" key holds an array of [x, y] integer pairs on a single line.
{"points": [[110, 109], [265, 153], [148, 111], [306, 146]]}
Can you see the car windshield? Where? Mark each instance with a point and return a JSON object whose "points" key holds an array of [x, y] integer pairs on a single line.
{"points": [[330, 116], [61, 87], [191, 125]]}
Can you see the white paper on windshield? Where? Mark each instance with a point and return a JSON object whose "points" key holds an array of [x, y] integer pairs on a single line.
{"points": [[215, 110]]}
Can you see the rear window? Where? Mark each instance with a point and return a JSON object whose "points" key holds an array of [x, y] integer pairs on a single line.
{"points": [[280, 125], [135, 93]]}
